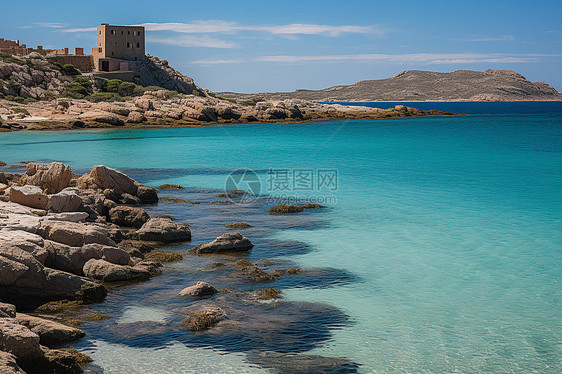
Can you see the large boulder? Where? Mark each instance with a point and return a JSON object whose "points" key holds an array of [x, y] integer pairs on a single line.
{"points": [[51, 333], [26, 283], [31, 243], [229, 242], [104, 178], [52, 178], [28, 195], [128, 216], [70, 259], [104, 271], [66, 200], [18, 340], [147, 195], [163, 230], [77, 234]]}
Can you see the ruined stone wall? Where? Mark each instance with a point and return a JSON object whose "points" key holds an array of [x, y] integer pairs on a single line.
{"points": [[84, 63]]}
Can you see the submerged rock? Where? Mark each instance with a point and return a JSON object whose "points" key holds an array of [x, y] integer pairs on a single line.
{"points": [[285, 209], [292, 363], [206, 317], [199, 289], [238, 225], [229, 242], [170, 187]]}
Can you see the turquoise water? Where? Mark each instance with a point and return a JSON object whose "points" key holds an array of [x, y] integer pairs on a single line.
{"points": [[452, 227]]}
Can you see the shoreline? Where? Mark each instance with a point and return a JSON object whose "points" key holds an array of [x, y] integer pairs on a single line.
{"points": [[153, 109], [133, 246]]}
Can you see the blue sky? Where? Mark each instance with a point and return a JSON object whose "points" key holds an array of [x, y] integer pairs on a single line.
{"points": [[256, 46]]}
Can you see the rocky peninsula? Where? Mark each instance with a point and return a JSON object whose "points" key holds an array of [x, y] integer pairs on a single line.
{"points": [[37, 95]]}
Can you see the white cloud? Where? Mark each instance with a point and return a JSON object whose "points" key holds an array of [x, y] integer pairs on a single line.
{"points": [[218, 26], [426, 58], [193, 41], [85, 29], [503, 38]]}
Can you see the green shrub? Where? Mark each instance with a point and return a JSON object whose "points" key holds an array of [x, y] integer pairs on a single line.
{"points": [[83, 81], [76, 90], [56, 64], [18, 99], [112, 85], [51, 95], [29, 100], [13, 60], [2, 96], [126, 89], [101, 96], [20, 110], [70, 69], [10, 97], [227, 99]]}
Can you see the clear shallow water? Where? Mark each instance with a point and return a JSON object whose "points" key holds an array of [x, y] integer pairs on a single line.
{"points": [[447, 232]]}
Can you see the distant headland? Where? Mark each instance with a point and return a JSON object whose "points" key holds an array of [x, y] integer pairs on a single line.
{"points": [[418, 85]]}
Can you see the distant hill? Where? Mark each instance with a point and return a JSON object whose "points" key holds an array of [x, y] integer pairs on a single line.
{"points": [[418, 85]]}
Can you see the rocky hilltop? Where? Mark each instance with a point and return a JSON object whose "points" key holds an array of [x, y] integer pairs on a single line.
{"points": [[417, 85], [36, 77]]}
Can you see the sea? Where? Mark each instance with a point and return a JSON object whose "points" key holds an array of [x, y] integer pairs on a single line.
{"points": [[438, 250]]}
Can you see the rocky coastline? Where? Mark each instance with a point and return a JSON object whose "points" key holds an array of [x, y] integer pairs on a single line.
{"points": [[68, 240], [156, 109]]}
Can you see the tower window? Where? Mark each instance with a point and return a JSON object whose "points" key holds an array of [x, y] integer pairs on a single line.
{"points": [[138, 45]]}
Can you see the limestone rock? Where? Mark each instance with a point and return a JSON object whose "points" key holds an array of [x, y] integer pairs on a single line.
{"points": [[28, 195], [51, 333], [128, 216], [26, 241], [163, 230], [147, 195], [229, 242], [26, 283], [52, 178], [107, 272], [8, 364], [68, 217], [135, 117], [104, 177], [7, 310], [23, 222], [66, 200], [199, 289], [77, 234], [18, 340]]}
